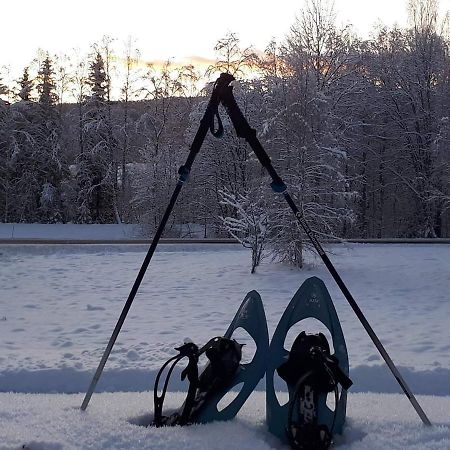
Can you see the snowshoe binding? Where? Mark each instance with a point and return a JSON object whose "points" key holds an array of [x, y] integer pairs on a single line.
{"points": [[223, 371], [307, 421]]}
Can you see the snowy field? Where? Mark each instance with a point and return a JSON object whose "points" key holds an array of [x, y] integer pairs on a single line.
{"points": [[69, 231], [59, 305]]}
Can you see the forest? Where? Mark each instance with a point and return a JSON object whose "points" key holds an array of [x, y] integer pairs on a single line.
{"points": [[359, 129]]}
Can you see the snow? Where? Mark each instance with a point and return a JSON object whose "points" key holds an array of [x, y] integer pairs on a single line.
{"points": [[59, 304], [114, 421], [69, 231]]}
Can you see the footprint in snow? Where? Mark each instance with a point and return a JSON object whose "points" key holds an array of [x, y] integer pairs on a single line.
{"points": [[94, 308], [132, 355], [80, 330], [64, 344]]}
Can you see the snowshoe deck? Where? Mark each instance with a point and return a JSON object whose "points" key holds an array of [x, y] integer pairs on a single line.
{"points": [[312, 300]]}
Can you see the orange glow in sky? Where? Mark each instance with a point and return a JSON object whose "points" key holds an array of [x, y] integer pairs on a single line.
{"points": [[166, 29], [163, 29]]}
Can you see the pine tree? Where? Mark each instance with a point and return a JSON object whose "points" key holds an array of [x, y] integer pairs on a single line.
{"points": [[26, 86], [96, 195], [49, 142], [98, 82], [46, 85]]}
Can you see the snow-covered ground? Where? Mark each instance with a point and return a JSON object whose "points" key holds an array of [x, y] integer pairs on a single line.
{"points": [[59, 304], [69, 231]]}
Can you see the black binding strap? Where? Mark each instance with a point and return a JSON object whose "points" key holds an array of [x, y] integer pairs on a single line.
{"points": [[224, 356], [311, 365], [189, 350]]}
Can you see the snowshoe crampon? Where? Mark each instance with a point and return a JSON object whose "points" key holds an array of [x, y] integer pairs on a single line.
{"points": [[307, 421], [223, 372]]}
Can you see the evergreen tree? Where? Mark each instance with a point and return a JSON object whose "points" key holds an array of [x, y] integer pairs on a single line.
{"points": [[96, 168], [46, 85], [26, 86], [98, 82], [49, 143]]}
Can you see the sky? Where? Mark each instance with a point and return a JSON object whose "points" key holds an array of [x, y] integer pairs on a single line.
{"points": [[165, 29]]}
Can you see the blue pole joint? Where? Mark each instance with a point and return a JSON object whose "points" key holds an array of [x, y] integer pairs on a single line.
{"points": [[278, 187], [183, 171]]}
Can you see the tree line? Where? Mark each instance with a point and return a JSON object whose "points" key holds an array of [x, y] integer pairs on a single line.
{"points": [[358, 128]]}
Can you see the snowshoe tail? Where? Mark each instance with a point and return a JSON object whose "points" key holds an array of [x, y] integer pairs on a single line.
{"points": [[222, 373], [310, 373]]}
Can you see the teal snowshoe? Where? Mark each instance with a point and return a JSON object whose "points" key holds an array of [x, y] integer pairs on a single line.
{"points": [[306, 421]]}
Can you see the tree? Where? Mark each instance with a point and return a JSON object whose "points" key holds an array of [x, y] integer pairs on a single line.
{"points": [[26, 86], [25, 165], [6, 184], [231, 57], [161, 126], [358, 129], [46, 85], [3, 88], [129, 91], [249, 223], [62, 79], [304, 113], [408, 70], [48, 140], [95, 168]]}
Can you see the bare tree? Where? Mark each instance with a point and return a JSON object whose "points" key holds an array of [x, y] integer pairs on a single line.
{"points": [[231, 57], [129, 92], [249, 223]]}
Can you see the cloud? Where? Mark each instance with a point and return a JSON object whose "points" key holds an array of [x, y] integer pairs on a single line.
{"points": [[199, 62], [195, 60]]}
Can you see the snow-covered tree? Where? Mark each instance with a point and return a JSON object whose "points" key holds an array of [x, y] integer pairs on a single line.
{"points": [[302, 96], [48, 142], [161, 127], [96, 166], [6, 182], [408, 71], [358, 129], [126, 133], [249, 223], [3, 88]]}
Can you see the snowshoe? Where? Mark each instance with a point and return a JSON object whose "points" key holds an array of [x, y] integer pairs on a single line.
{"points": [[223, 371], [306, 421]]}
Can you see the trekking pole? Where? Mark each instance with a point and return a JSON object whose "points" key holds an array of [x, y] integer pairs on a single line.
{"points": [[206, 123], [244, 130]]}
